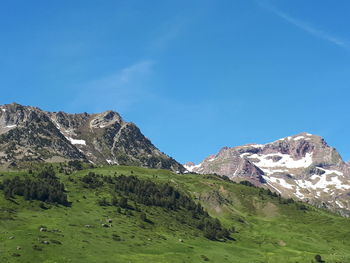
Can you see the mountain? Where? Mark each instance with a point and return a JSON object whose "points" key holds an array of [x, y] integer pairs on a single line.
{"points": [[30, 134], [302, 166]]}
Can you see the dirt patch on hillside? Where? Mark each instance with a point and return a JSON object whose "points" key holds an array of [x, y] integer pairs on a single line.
{"points": [[270, 210]]}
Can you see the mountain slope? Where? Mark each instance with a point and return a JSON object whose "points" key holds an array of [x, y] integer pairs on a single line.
{"points": [[30, 134], [303, 166], [267, 228]]}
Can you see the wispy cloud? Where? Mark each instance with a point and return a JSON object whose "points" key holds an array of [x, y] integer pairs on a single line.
{"points": [[306, 26], [119, 90], [138, 69], [128, 86]]}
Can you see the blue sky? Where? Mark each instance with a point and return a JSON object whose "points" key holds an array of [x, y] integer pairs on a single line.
{"points": [[194, 75]]}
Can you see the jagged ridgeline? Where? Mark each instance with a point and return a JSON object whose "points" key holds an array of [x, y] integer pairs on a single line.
{"points": [[29, 134], [302, 167]]}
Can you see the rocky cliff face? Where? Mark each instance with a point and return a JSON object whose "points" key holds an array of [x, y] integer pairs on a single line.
{"points": [[30, 134], [303, 166]]}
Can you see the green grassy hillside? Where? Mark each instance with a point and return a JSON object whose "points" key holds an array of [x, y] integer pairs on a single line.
{"points": [[95, 228]]}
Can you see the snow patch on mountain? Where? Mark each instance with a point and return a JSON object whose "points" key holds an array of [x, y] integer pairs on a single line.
{"points": [[328, 172], [298, 193], [280, 181], [192, 166], [75, 141], [270, 184], [285, 160], [111, 162], [322, 182], [339, 204], [252, 145]]}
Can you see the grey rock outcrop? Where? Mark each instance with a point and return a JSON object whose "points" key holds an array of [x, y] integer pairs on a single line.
{"points": [[31, 134]]}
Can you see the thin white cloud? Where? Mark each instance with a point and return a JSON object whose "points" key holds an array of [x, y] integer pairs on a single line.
{"points": [[120, 90], [129, 73], [306, 26]]}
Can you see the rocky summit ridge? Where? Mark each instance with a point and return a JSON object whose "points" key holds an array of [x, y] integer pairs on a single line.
{"points": [[30, 134], [302, 166]]}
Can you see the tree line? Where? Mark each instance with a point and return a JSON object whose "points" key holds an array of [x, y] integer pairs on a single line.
{"points": [[162, 195], [44, 186]]}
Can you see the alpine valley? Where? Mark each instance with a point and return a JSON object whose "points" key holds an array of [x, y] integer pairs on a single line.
{"points": [[92, 188]]}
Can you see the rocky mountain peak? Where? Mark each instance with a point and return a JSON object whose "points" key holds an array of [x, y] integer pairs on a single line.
{"points": [[189, 164], [304, 145], [302, 166], [105, 119], [15, 115], [31, 134]]}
